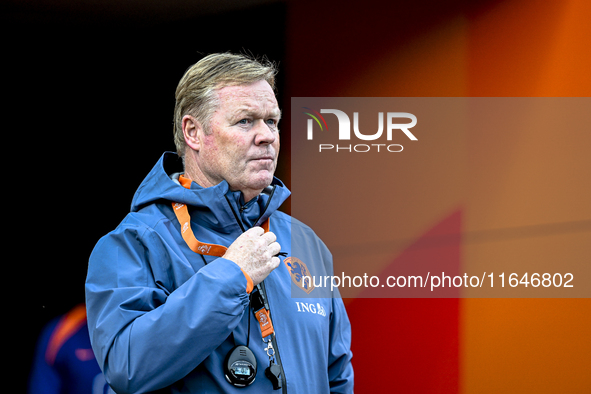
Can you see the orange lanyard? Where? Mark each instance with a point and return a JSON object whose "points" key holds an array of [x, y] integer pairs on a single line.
{"points": [[182, 213]]}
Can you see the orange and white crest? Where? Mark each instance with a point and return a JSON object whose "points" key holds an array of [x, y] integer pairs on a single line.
{"points": [[300, 274]]}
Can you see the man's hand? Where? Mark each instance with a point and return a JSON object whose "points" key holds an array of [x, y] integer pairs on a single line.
{"points": [[254, 251]]}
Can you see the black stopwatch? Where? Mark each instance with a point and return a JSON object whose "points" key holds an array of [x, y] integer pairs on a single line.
{"points": [[240, 367]]}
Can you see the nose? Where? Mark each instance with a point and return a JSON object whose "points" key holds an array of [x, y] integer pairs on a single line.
{"points": [[265, 135]]}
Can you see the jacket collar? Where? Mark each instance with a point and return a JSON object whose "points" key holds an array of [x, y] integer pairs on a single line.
{"points": [[214, 207]]}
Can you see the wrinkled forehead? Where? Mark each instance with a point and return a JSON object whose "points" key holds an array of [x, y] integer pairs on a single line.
{"points": [[256, 98]]}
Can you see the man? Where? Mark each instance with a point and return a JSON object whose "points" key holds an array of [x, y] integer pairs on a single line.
{"points": [[171, 291], [64, 362]]}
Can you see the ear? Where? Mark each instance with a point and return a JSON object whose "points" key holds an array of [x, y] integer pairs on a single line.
{"points": [[192, 131]]}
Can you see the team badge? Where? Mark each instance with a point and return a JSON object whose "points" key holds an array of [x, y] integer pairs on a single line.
{"points": [[300, 274]]}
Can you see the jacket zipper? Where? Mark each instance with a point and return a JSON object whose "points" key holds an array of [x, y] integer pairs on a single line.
{"points": [[274, 339], [263, 291]]}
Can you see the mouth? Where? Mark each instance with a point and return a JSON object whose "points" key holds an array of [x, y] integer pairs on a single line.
{"points": [[264, 158]]}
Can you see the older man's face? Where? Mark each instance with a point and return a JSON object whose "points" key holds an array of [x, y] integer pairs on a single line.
{"points": [[243, 145]]}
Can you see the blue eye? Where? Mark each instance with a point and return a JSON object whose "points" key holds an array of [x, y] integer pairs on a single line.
{"points": [[243, 121]]}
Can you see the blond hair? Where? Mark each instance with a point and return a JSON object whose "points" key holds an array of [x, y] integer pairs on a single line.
{"points": [[196, 92]]}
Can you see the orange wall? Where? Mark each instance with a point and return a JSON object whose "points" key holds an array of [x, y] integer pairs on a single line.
{"points": [[532, 48], [496, 48]]}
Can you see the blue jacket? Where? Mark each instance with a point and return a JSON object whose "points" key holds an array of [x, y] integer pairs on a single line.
{"points": [[163, 317]]}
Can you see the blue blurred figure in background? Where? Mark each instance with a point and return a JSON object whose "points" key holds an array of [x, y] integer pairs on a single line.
{"points": [[64, 362]]}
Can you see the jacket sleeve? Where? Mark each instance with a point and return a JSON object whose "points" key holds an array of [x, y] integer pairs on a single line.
{"points": [[144, 336], [340, 369]]}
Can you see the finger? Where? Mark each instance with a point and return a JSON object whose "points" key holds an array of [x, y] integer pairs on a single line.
{"points": [[275, 262], [270, 237], [274, 248], [254, 231]]}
